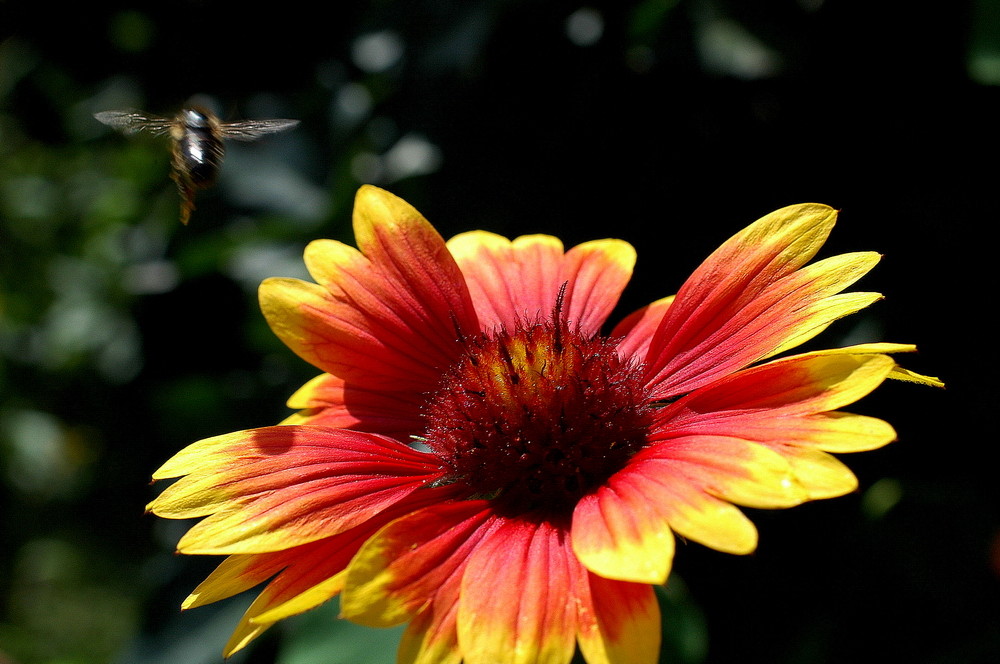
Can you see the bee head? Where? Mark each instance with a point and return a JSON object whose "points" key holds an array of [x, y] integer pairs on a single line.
{"points": [[196, 118]]}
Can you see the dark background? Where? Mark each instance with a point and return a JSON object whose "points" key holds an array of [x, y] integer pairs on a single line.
{"points": [[124, 336]]}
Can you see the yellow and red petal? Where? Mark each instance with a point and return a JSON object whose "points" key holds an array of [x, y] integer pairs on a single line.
{"points": [[822, 475], [752, 298], [730, 468], [412, 570], [301, 578], [693, 513], [330, 401], [401, 567], [787, 401], [277, 487], [307, 572], [519, 280], [517, 604], [315, 577], [785, 406], [385, 315], [432, 635], [703, 518], [236, 574], [622, 530], [304, 576], [482, 588], [618, 622], [799, 385], [884, 348], [619, 533]]}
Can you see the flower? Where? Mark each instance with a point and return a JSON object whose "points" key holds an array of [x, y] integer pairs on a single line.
{"points": [[478, 460]]}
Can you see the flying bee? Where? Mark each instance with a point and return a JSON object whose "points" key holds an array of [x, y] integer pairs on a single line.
{"points": [[197, 135]]}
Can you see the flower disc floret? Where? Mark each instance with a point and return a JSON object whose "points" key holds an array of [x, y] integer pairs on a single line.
{"points": [[536, 417]]}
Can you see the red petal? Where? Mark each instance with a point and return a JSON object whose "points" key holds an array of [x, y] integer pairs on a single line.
{"points": [[518, 603], [330, 401], [384, 317], [637, 329], [514, 281]]}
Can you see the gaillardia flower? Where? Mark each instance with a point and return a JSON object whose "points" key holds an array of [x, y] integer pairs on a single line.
{"points": [[480, 460]]}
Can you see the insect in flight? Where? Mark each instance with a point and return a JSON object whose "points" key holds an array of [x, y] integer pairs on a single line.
{"points": [[197, 136]]}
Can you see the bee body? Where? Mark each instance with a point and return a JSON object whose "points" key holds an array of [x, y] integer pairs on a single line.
{"points": [[198, 149]]}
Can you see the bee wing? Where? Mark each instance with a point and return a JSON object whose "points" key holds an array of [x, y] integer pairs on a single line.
{"points": [[132, 122], [248, 130]]}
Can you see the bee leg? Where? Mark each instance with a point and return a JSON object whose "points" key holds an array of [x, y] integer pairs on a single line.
{"points": [[187, 205], [186, 191]]}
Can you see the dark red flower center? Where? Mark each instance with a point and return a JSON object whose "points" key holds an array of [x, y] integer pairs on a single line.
{"points": [[536, 417]]}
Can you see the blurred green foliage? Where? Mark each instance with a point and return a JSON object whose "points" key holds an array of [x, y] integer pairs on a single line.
{"points": [[124, 336]]}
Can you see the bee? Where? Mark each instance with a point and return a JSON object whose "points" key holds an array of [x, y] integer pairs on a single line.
{"points": [[197, 135]]}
